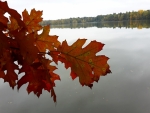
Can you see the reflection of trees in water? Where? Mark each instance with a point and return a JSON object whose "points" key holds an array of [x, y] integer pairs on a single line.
{"points": [[115, 24]]}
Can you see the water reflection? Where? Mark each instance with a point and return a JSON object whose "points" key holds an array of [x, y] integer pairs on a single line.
{"points": [[116, 24], [126, 90]]}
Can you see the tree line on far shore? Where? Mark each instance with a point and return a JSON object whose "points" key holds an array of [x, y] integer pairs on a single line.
{"points": [[108, 24], [128, 16]]}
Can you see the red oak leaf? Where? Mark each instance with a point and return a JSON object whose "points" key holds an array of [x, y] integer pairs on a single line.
{"points": [[13, 25], [39, 77], [32, 21], [45, 41], [83, 61], [8, 65]]}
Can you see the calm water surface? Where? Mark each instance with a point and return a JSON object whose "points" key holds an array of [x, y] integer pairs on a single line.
{"points": [[126, 90]]}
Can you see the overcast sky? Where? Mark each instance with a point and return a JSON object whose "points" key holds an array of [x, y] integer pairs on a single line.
{"points": [[57, 9]]}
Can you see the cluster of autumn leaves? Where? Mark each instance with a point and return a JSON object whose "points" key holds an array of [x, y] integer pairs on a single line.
{"points": [[22, 48]]}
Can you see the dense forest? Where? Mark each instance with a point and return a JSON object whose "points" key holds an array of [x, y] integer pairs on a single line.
{"points": [[107, 24], [128, 16]]}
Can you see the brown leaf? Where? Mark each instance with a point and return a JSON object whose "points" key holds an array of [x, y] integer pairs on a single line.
{"points": [[13, 25], [45, 41], [83, 61], [12, 12], [32, 21]]}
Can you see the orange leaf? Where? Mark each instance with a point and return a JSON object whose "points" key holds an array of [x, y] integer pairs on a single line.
{"points": [[32, 21], [39, 77], [83, 61], [13, 25], [45, 41]]}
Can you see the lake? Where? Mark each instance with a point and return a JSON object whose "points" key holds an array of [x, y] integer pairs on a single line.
{"points": [[125, 90]]}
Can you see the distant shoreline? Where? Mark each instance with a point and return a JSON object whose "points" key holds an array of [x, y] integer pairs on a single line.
{"points": [[128, 16], [107, 24]]}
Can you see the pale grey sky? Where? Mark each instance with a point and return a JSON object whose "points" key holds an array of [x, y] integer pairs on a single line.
{"points": [[57, 9]]}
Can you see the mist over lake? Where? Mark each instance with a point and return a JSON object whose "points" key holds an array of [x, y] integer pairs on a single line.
{"points": [[125, 90]]}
